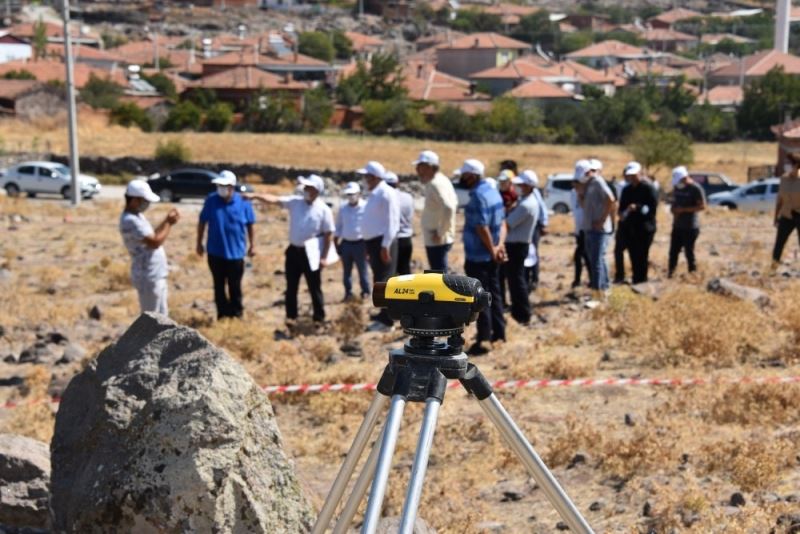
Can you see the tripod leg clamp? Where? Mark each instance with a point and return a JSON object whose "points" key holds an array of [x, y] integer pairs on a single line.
{"points": [[475, 383]]}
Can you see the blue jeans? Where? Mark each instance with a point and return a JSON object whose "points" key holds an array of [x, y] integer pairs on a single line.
{"points": [[596, 244], [354, 252], [437, 257]]}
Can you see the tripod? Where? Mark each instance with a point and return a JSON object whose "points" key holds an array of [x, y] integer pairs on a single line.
{"points": [[419, 373]]}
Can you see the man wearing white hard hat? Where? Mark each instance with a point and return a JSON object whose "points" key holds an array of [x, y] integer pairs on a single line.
{"points": [[405, 246], [688, 200], [309, 220], [637, 219], [230, 219], [484, 250], [521, 222], [439, 214], [598, 205], [350, 240], [380, 227], [532, 272], [145, 245]]}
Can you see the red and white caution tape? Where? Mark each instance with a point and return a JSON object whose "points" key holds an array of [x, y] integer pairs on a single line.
{"points": [[502, 384]]}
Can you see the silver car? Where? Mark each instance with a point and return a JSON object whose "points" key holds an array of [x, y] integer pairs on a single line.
{"points": [[45, 177]]}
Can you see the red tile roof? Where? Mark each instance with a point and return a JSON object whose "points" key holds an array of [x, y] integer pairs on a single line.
{"points": [[248, 78], [485, 40], [585, 74], [11, 89], [759, 64], [609, 48], [723, 95], [362, 42], [716, 38], [675, 15], [46, 70], [440, 38], [536, 89], [424, 82], [87, 52], [520, 68], [142, 52], [665, 35]]}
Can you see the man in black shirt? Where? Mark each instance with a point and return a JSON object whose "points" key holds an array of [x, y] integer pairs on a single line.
{"points": [[688, 199], [637, 219]]}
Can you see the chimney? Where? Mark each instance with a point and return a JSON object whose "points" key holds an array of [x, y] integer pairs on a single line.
{"points": [[420, 68], [471, 88], [475, 44]]}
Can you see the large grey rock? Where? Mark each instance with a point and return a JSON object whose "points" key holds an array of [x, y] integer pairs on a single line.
{"points": [[725, 287], [164, 432], [24, 482]]}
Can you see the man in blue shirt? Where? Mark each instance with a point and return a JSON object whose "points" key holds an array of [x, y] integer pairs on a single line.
{"points": [[484, 248], [228, 217]]}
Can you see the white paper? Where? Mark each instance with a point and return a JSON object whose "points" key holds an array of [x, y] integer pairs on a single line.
{"points": [[314, 250], [532, 258]]}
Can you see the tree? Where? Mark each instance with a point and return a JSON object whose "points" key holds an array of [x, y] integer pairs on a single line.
{"points": [[128, 114], [172, 153], [343, 45], [382, 80], [317, 110], [21, 74], [537, 28], [218, 117], [202, 98], [272, 113], [162, 84], [453, 123], [510, 121], [710, 124], [384, 116], [656, 147], [39, 43], [183, 116], [472, 20], [101, 93], [766, 102], [316, 44]]}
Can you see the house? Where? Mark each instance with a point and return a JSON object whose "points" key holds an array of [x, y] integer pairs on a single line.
{"points": [[476, 52], [714, 39], [436, 39], [594, 23], [30, 99], [364, 46], [657, 73], [754, 66], [728, 97], [389, 9], [539, 91], [603, 79], [610, 52], [667, 40], [12, 47], [49, 70], [161, 47], [499, 80], [238, 84], [94, 57], [424, 82], [299, 66], [80, 33], [510, 14], [668, 19]]}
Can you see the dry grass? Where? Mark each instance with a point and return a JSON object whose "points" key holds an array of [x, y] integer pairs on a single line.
{"points": [[754, 463], [34, 420]]}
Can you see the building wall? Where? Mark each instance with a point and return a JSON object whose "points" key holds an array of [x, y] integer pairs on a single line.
{"points": [[463, 63], [12, 51], [497, 86]]}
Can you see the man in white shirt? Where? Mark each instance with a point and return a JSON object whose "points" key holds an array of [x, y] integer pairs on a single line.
{"points": [[521, 222], [598, 206], [404, 245], [148, 259], [309, 219], [380, 226], [439, 214], [350, 240]]}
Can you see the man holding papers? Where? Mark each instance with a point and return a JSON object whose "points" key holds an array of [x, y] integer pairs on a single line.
{"points": [[310, 235]]}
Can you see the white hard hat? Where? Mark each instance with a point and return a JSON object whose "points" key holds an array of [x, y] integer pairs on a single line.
{"points": [[633, 167], [351, 188], [678, 174], [582, 166], [373, 168], [527, 177], [312, 180], [225, 177], [390, 178], [472, 166], [427, 156], [141, 189]]}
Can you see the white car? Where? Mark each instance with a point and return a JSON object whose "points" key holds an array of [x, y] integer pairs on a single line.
{"points": [[46, 177], [756, 196], [558, 192]]}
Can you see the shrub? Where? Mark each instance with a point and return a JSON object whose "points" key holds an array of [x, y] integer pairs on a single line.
{"points": [[219, 117], [655, 147], [172, 152], [317, 110], [383, 116], [453, 123], [128, 114], [101, 93], [270, 113], [162, 84], [184, 116], [21, 74], [317, 45]]}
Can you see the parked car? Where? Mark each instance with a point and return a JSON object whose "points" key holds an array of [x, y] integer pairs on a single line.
{"points": [[713, 182], [45, 177], [558, 192], [755, 196], [187, 183]]}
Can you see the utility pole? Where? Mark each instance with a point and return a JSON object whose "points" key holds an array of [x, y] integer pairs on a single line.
{"points": [[72, 118], [782, 14]]}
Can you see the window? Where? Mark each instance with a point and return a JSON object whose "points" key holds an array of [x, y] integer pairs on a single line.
{"points": [[700, 178], [774, 188], [756, 190], [714, 179], [27, 169], [562, 185]]}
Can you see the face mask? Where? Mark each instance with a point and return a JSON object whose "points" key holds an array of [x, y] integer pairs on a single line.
{"points": [[224, 191], [144, 206], [680, 185], [520, 192], [307, 196], [352, 200]]}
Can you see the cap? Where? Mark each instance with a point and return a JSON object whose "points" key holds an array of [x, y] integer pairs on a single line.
{"points": [[595, 164], [351, 188], [633, 167], [427, 156], [527, 177], [224, 178], [472, 166], [141, 189], [373, 168], [312, 180], [505, 174], [390, 178], [678, 174], [582, 166]]}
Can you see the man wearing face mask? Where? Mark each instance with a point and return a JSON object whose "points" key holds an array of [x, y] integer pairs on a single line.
{"points": [[309, 218], [688, 200], [350, 240], [148, 259], [230, 220], [405, 246], [637, 219], [439, 214], [484, 249], [598, 205], [521, 222], [380, 226]]}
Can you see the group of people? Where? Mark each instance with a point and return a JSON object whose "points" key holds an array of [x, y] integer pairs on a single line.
{"points": [[373, 227]]}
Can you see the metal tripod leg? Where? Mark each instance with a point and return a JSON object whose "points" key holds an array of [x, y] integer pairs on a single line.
{"points": [[349, 464], [420, 465], [388, 442], [536, 467]]}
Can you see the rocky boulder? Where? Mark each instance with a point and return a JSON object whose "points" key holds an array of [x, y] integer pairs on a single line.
{"points": [[728, 288], [24, 482], [164, 432]]}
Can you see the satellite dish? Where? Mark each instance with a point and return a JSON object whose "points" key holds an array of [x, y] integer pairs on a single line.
{"points": [[134, 69]]}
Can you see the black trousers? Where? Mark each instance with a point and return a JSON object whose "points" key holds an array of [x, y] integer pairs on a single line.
{"points": [[533, 272], [683, 239], [784, 230], [517, 282], [620, 244], [579, 257], [296, 266], [638, 244], [381, 271], [491, 323], [404, 249], [227, 273]]}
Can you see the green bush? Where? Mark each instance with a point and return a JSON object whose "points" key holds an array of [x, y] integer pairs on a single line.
{"points": [[128, 114], [655, 147], [101, 93], [384, 116], [317, 44], [710, 124], [219, 117], [271, 113], [202, 98], [343, 45], [162, 84], [317, 110], [453, 123], [172, 152], [21, 74], [183, 116]]}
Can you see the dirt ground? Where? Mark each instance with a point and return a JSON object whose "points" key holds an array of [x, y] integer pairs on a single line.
{"points": [[634, 459]]}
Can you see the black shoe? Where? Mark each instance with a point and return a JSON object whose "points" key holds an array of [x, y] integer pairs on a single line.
{"points": [[477, 349], [576, 284]]}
